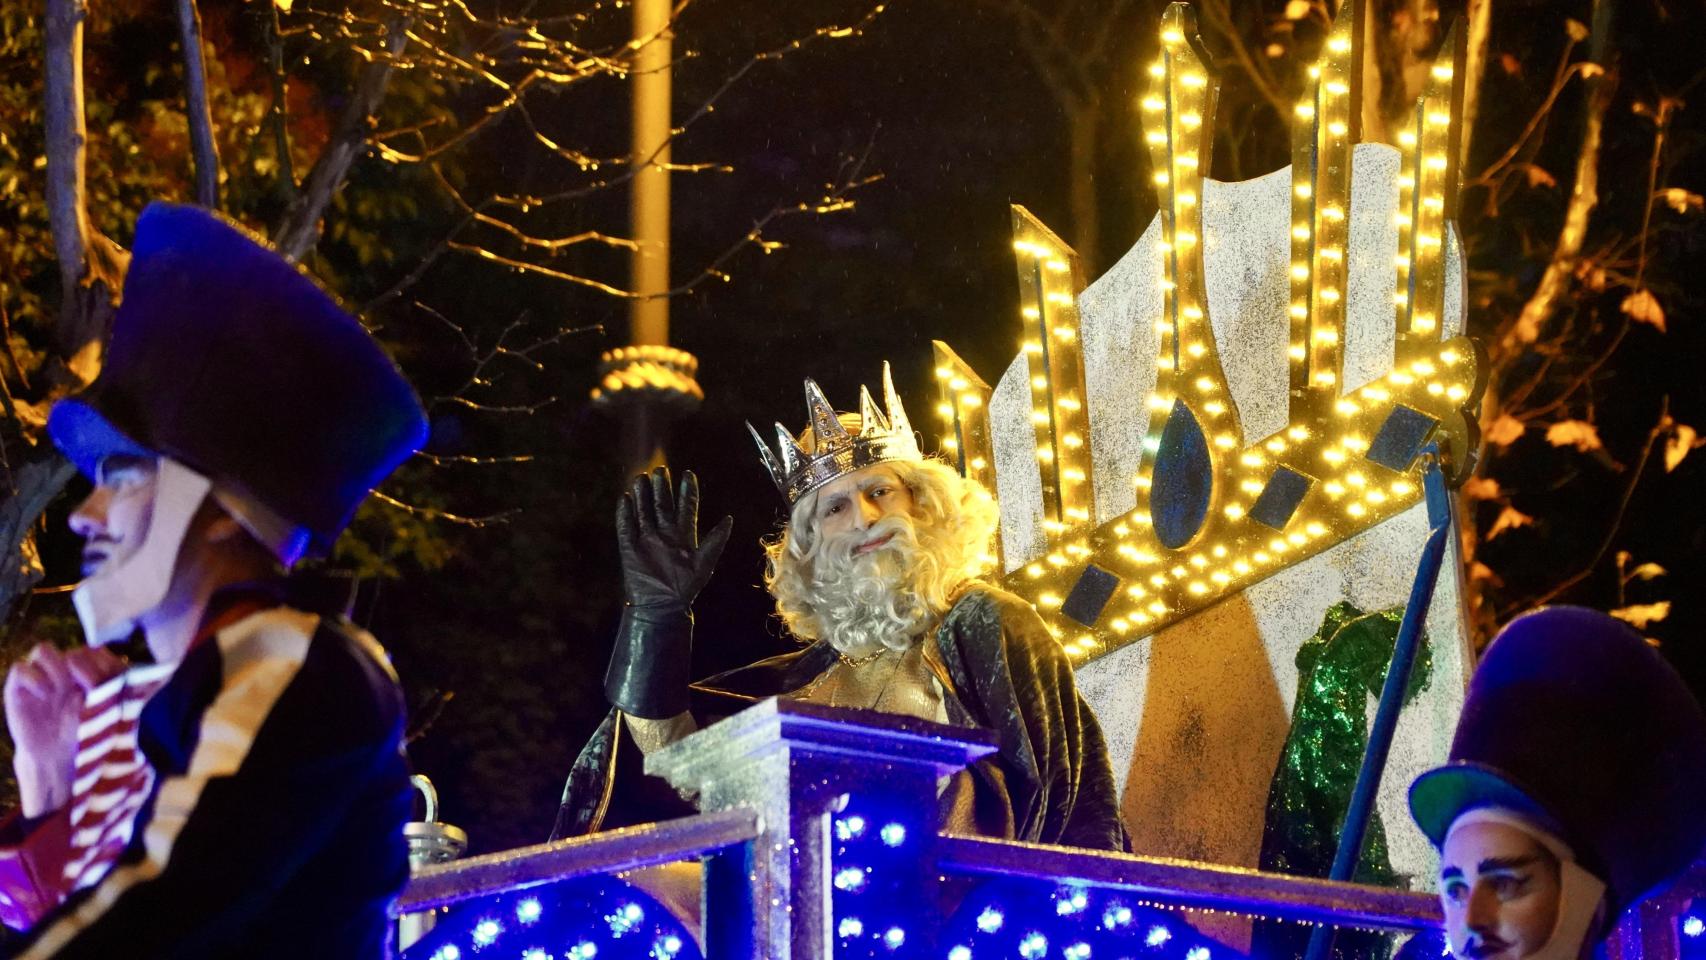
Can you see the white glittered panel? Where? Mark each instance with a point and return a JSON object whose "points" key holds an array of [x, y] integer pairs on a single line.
{"points": [[1452, 316], [1018, 479], [1196, 716], [1117, 317], [1371, 271], [1246, 263]]}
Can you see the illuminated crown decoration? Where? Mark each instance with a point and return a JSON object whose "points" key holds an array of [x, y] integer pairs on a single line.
{"points": [[1116, 524], [885, 434]]}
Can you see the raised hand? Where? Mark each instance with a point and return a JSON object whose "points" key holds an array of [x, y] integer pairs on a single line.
{"points": [[664, 563], [664, 566], [44, 701]]}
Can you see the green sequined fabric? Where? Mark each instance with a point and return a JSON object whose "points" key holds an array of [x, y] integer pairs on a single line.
{"points": [[1338, 670]]}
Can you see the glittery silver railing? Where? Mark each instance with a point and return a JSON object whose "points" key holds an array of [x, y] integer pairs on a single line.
{"points": [[791, 792]]}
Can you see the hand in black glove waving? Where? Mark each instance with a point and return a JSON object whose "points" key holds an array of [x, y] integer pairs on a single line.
{"points": [[664, 566]]}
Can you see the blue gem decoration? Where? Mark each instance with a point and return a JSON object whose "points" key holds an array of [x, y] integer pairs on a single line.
{"points": [[1183, 481]]}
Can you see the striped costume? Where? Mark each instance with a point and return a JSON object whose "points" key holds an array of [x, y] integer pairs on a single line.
{"points": [[248, 803]]}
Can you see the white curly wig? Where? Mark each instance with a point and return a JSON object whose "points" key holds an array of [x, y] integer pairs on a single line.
{"points": [[860, 604]]}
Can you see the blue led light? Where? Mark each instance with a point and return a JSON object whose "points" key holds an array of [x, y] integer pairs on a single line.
{"points": [[528, 910], [583, 951], [486, 932], [989, 920], [625, 919], [1158, 935], [1070, 900], [1197, 953], [1034, 945], [535, 953], [849, 828], [1117, 915], [850, 879], [1693, 926], [1078, 951], [666, 947], [448, 952], [894, 938], [850, 927], [961, 952], [893, 834]]}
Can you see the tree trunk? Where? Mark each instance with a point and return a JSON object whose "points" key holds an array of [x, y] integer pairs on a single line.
{"points": [[91, 266], [1479, 22], [1084, 127]]}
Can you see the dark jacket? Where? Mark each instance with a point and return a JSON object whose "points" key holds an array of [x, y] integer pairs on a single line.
{"points": [[1004, 672], [273, 827]]}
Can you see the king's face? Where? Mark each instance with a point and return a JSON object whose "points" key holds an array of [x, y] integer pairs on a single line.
{"points": [[850, 505]]}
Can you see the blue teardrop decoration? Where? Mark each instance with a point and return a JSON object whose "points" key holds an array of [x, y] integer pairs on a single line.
{"points": [[1183, 481]]}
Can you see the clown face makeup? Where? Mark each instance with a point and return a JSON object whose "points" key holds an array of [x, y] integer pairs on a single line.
{"points": [[133, 525], [1511, 891]]}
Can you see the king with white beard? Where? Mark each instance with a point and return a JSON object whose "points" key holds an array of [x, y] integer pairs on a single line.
{"points": [[877, 573]]}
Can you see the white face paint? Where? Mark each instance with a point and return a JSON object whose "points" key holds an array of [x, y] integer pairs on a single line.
{"points": [[1512, 891], [133, 525]]}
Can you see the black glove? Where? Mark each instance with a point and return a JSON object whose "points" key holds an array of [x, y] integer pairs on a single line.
{"points": [[664, 566]]}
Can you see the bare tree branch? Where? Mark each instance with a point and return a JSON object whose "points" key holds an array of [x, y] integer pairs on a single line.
{"points": [[202, 148], [276, 113], [1659, 429], [1219, 14], [301, 227]]}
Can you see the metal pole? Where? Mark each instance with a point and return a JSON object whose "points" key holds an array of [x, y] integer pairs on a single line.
{"points": [[1361, 807], [648, 315]]}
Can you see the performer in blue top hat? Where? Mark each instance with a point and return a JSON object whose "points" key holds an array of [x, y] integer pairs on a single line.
{"points": [[1576, 788], [242, 794]]}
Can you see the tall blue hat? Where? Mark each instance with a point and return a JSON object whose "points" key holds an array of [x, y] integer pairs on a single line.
{"points": [[231, 360], [1574, 721]]}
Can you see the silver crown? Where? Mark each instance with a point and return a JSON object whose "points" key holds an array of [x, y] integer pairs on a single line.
{"points": [[883, 436]]}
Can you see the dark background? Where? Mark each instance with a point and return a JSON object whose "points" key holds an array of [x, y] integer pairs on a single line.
{"points": [[511, 620]]}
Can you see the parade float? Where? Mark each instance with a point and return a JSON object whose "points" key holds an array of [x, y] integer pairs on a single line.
{"points": [[1224, 471]]}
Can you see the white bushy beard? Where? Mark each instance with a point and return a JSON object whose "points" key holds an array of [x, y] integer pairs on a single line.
{"points": [[881, 600]]}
